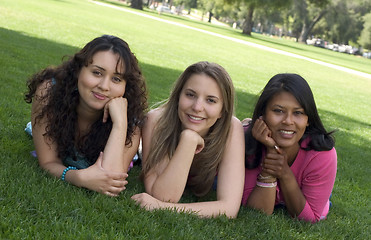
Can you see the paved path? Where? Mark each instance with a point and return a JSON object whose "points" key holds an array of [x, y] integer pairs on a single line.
{"points": [[344, 69]]}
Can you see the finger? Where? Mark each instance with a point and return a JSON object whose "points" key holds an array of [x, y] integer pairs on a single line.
{"points": [[106, 112], [118, 176], [119, 183], [111, 194], [279, 150]]}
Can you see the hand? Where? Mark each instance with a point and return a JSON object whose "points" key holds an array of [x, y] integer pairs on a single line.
{"points": [[116, 108], [97, 179], [146, 201], [262, 133], [192, 135], [275, 163]]}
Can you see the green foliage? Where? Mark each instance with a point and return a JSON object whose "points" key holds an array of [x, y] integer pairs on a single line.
{"points": [[33, 205], [365, 38]]}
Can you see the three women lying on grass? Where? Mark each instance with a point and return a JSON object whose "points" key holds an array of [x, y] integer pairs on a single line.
{"points": [[95, 103], [92, 103]]}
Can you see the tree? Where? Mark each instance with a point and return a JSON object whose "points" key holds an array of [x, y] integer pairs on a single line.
{"points": [[307, 13], [344, 21], [137, 4], [249, 6], [365, 38]]}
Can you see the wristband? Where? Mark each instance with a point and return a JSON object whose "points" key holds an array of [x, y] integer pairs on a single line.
{"points": [[266, 185], [63, 177], [261, 177]]}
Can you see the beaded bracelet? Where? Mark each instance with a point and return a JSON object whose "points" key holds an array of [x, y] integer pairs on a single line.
{"points": [[261, 177], [266, 185], [63, 177]]}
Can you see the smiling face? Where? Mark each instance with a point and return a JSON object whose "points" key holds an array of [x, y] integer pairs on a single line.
{"points": [[286, 119], [100, 81], [200, 103]]}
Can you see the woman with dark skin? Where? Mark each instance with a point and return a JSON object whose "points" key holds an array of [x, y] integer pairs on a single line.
{"points": [[290, 157], [87, 114]]}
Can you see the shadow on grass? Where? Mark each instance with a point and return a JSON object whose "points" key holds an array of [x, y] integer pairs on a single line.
{"points": [[23, 55]]}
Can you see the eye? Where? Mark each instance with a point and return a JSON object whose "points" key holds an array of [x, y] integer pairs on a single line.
{"points": [[211, 100], [299, 113], [117, 79], [189, 94], [277, 110], [97, 73]]}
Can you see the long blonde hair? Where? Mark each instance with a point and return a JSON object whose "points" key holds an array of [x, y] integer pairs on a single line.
{"points": [[169, 127]]}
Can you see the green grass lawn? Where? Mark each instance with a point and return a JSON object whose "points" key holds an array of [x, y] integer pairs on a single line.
{"points": [[33, 205]]}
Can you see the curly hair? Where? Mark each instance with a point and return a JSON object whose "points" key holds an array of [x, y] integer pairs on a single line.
{"points": [[62, 99], [169, 127], [320, 139]]}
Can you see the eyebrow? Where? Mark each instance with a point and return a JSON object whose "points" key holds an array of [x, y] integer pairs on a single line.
{"points": [[116, 73], [277, 105], [210, 96]]}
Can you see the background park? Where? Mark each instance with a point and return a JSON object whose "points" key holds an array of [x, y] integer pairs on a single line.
{"points": [[38, 33]]}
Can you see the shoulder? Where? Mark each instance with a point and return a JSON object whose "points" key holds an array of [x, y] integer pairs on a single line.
{"points": [[319, 159], [153, 116], [235, 121], [42, 89], [236, 124], [236, 129]]}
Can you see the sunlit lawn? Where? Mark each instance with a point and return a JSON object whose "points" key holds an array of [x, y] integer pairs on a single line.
{"points": [[35, 34]]}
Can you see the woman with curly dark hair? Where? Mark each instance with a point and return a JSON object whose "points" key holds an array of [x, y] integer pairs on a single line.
{"points": [[91, 104]]}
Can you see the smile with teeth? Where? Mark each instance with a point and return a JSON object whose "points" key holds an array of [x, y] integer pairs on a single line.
{"points": [[287, 132], [195, 118]]}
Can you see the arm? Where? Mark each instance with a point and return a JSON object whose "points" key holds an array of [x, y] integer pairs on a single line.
{"points": [[93, 178], [117, 156], [230, 183], [317, 184], [168, 180]]}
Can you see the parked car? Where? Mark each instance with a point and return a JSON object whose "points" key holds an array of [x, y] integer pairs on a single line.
{"points": [[163, 9]]}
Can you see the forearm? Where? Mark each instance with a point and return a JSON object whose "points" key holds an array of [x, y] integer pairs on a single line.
{"points": [[170, 184], [294, 198], [56, 169], [113, 158], [262, 198]]}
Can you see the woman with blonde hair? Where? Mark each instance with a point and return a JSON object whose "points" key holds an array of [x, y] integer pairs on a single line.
{"points": [[189, 140]]}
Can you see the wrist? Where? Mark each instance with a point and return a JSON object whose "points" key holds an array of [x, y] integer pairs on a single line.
{"points": [[266, 178], [119, 125], [67, 170]]}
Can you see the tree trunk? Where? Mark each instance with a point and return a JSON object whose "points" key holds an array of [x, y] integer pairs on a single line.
{"points": [[307, 28], [137, 4], [247, 24], [210, 16]]}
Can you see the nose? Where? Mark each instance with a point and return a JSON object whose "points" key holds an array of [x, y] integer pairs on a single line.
{"points": [[104, 83], [197, 105], [288, 119]]}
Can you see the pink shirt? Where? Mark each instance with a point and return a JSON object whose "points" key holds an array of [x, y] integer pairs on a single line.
{"points": [[315, 173]]}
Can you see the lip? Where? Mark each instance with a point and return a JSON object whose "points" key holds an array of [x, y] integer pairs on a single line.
{"points": [[99, 96], [195, 119], [288, 134]]}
